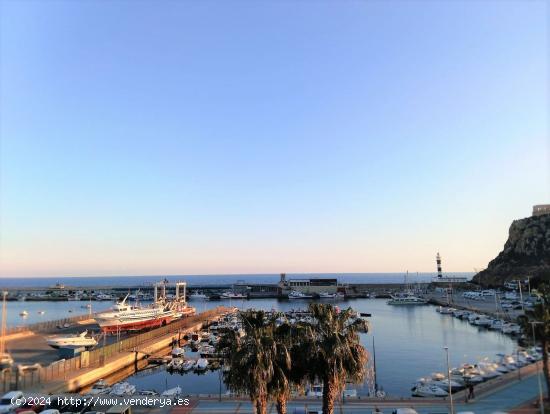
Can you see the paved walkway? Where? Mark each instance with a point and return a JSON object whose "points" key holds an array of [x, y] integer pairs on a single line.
{"points": [[503, 399]]}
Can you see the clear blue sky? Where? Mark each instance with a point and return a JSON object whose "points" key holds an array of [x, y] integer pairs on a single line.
{"points": [[172, 137]]}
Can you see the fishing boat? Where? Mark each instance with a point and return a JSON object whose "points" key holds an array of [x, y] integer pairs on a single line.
{"points": [[72, 341], [299, 295], [125, 317]]}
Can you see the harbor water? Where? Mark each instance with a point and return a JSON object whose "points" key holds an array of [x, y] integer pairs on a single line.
{"points": [[409, 340], [409, 343]]}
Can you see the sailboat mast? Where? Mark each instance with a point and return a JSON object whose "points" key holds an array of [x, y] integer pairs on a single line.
{"points": [[3, 331]]}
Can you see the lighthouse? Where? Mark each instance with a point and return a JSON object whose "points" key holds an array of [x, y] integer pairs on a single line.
{"points": [[438, 261]]}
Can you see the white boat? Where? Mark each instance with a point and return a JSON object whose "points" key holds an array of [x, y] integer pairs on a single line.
{"points": [[197, 295], [232, 295], [445, 311], [299, 295], [202, 364], [99, 388], [172, 392], [326, 295], [428, 390], [125, 317], [496, 324], [175, 363], [316, 390], [23, 313], [148, 393], [441, 381], [406, 299], [72, 341], [350, 393], [122, 389], [103, 296], [483, 321], [511, 328], [178, 352], [6, 361], [188, 365]]}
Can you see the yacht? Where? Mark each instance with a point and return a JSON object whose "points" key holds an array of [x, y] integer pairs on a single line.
{"points": [[103, 296], [99, 388], [172, 392], [188, 365], [232, 295], [202, 364], [406, 299], [178, 352], [428, 390], [299, 295], [72, 341], [445, 311], [197, 295], [496, 324], [483, 321], [511, 328], [123, 388], [175, 363]]}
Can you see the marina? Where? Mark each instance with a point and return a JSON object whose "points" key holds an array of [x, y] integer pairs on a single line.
{"points": [[422, 328]]}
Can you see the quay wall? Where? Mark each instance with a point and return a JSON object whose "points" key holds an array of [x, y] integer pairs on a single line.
{"points": [[90, 366]]}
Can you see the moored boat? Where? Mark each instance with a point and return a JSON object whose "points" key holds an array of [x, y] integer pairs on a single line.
{"points": [[72, 341], [299, 295]]}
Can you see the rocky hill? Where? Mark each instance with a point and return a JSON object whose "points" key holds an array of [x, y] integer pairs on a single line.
{"points": [[526, 253]]}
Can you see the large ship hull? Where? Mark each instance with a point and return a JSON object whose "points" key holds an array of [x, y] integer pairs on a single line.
{"points": [[134, 324]]}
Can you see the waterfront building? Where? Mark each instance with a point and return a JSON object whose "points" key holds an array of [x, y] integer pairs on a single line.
{"points": [[310, 285], [541, 209]]}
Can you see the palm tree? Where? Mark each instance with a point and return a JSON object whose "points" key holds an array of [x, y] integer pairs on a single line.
{"points": [[330, 352], [251, 359], [540, 313], [279, 386]]}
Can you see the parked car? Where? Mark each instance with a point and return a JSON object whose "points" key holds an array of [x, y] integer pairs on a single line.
{"points": [[30, 406], [8, 403]]}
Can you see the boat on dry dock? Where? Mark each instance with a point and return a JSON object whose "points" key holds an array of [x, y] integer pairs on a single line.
{"points": [[72, 341], [126, 317]]}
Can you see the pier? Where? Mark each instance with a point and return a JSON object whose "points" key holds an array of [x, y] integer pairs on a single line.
{"points": [[70, 375]]}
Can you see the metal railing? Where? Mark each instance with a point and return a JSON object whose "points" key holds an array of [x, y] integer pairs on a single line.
{"points": [[62, 369], [49, 325]]}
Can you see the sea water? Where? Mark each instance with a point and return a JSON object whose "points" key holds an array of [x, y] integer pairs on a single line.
{"points": [[408, 340]]}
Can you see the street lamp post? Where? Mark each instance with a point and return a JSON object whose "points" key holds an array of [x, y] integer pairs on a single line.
{"points": [[541, 402], [446, 348]]}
